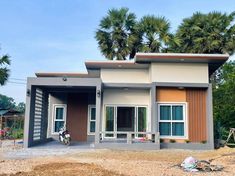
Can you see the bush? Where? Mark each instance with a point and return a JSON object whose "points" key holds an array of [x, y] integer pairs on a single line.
{"points": [[172, 141], [204, 141], [17, 133], [187, 141], [161, 140]]}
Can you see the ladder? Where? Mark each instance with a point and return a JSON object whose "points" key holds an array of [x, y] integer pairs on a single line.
{"points": [[231, 132]]}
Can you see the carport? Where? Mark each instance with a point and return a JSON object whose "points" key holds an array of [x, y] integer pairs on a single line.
{"points": [[78, 91]]}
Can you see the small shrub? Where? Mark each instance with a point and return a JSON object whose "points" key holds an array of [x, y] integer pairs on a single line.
{"points": [[17, 133], [172, 141], [204, 141], [161, 140], [187, 141]]}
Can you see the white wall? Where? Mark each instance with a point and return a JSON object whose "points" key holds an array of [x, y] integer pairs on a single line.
{"points": [[125, 75], [179, 72], [126, 97]]}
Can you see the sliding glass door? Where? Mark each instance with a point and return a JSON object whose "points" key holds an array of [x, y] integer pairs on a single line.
{"points": [[125, 119]]}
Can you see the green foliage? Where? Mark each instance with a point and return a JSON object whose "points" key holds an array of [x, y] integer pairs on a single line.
{"points": [[9, 103], [224, 100], [6, 102], [172, 141], [17, 133], [4, 71], [187, 141], [115, 35], [155, 34], [206, 33]]}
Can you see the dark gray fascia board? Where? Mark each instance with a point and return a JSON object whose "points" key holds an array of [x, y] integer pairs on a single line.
{"points": [[127, 85], [56, 81], [172, 84]]}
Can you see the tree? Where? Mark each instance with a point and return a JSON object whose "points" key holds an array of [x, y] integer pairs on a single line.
{"points": [[207, 33], [156, 36], [116, 34], [224, 96], [7, 102], [4, 71], [20, 107]]}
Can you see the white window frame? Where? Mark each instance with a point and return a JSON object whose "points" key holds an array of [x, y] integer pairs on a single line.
{"points": [[115, 117], [185, 119], [90, 120], [64, 106]]}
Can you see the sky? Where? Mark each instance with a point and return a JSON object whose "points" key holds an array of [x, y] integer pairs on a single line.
{"points": [[58, 35]]}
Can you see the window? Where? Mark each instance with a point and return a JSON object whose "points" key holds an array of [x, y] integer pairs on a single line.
{"points": [[172, 121], [59, 117], [91, 119]]}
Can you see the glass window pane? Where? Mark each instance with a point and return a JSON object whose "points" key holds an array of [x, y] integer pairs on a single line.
{"points": [[177, 129], [58, 125], [165, 112], [142, 119], [92, 113], [165, 128], [109, 125], [92, 127], [177, 112], [59, 113], [142, 113]]}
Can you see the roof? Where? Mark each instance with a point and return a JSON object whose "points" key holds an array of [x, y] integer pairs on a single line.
{"points": [[60, 74], [143, 60], [4, 112], [214, 60], [114, 64]]}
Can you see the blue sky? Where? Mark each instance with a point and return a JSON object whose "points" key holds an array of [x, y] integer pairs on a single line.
{"points": [[58, 35]]}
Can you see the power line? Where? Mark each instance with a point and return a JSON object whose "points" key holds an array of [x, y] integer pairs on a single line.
{"points": [[19, 79], [16, 82]]}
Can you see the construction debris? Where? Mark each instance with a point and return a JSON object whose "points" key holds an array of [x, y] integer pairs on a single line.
{"points": [[191, 164]]}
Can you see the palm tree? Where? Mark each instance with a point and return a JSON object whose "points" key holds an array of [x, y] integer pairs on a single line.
{"points": [[115, 35], [156, 35], [207, 33], [4, 71]]}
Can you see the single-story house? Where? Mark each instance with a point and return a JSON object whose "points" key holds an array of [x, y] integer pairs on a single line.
{"points": [[127, 104], [9, 116]]}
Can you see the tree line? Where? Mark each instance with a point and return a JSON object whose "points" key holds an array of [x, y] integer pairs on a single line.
{"points": [[120, 35]]}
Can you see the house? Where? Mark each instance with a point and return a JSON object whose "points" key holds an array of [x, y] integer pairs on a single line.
{"points": [[8, 118], [127, 104]]}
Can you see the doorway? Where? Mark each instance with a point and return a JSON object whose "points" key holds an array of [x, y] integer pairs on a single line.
{"points": [[125, 120]]}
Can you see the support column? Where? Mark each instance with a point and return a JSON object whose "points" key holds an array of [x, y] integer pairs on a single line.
{"points": [[210, 125], [29, 113], [98, 113], [153, 109]]}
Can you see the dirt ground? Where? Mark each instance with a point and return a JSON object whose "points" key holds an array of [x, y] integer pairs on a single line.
{"points": [[116, 163]]}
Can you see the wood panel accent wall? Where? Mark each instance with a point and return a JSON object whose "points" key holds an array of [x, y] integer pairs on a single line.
{"points": [[167, 94], [77, 110], [197, 127]]}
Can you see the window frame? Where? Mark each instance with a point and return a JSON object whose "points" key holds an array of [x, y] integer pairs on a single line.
{"points": [[90, 120], [64, 106], [185, 117], [115, 106]]}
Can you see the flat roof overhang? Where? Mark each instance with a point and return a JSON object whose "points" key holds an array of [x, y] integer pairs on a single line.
{"points": [[63, 82], [214, 60], [115, 65]]}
